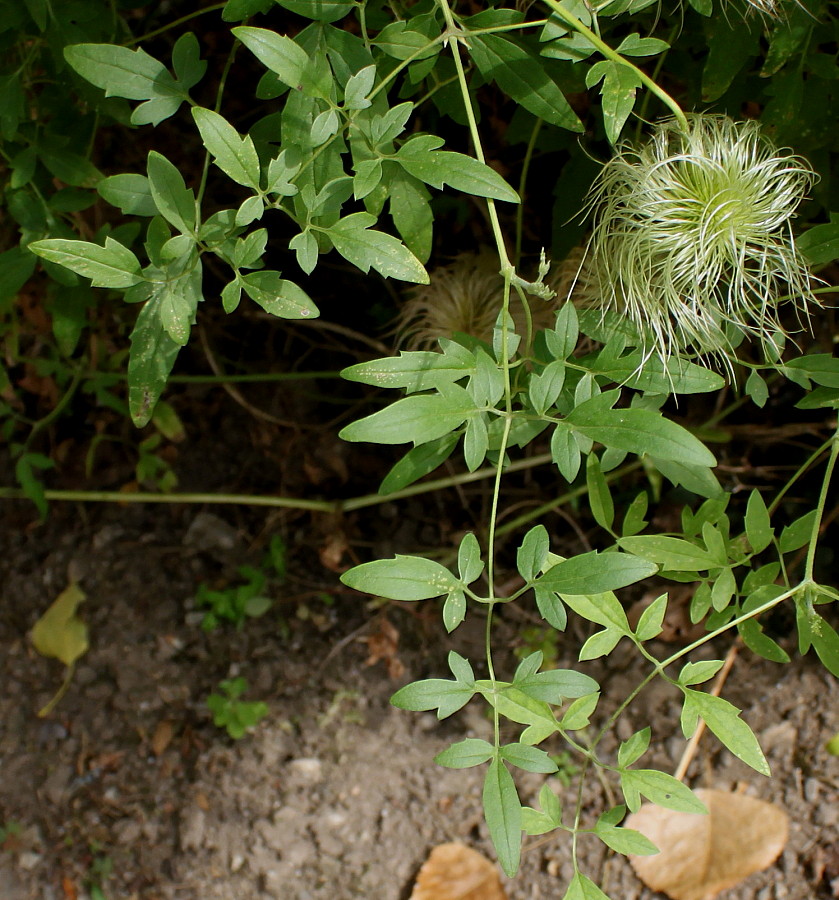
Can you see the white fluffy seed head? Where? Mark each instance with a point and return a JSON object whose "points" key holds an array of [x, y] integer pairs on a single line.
{"points": [[691, 236]]}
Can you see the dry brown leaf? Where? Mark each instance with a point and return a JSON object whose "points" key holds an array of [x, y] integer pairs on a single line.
{"points": [[162, 737], [383, 644], [456, 872], [703, 855]]}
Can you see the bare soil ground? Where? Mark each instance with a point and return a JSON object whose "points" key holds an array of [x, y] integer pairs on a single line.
{"points": [[334, 795]]}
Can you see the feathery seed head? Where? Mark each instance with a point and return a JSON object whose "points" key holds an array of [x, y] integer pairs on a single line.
{"points": [[691, 236], [464, 296]]}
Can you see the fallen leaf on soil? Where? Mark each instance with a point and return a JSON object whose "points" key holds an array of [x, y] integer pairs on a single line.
{"points": [[59, 633], [456, 872], [384, 645], [69, 888], [332, 552], [162, 737], [703, 855]]}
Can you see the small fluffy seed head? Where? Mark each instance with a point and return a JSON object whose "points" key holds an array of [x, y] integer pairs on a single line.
{"points": [[464, 296], [691, 236]]}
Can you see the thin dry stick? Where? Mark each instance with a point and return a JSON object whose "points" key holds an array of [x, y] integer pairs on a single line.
{"points": [[693, 744], [234, 392]]}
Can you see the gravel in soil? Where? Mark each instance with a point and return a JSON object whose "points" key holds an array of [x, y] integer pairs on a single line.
{"points": [[334, 795]]}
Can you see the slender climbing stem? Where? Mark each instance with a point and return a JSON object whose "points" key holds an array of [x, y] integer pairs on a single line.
{"points": [[820, 507], [605, 50], [175, 23]]}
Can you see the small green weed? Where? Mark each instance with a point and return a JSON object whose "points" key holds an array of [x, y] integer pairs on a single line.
{"points": [[100, 870], [8, 832], [247, 599], [534, 638], [234, 715], [566, 767]]}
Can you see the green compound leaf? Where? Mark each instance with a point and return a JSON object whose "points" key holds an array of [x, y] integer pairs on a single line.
{"points": [[544, 388], [652, 619], [600, 499], [402, 42], [420, 158], [174, 201], [601, 643], [632, 749], [820, 367], [522, 75], [178, 291], [556, 685], [820, 244], [595, 573], [550, 608], [639, 431], [454, 610], [517, 706], [723, 719], [445, 696], [579, 713], [697, 672], [16, 267], [672, 554], [676, 375], [402, 578], [529, 759], [186, 61], [410, 208], [121, 72], [565, 452], [825, 641], [461, 668], [624, 840], [278, 296], [320, 10], [533, 552], [33, 488], [535, 821], [152, 356], [418, 462], [698, 479], [354, 238], [419, 419], [235, 155], [503, 815], [797, 533], [583, 888], [276, 52], [635, 45], [413, 370], [469, 562], [111, 266], [759, 529], [660, 788], [129, 192], [465, 754], [618, 90]]}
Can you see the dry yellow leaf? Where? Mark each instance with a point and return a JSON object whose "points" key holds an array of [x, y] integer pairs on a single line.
{"points": [[703, 855], [456, 872], [59, 633]]}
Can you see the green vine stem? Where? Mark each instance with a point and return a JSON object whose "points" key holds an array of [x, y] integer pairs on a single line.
{"points": [[605, 50], [327, 506]]}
